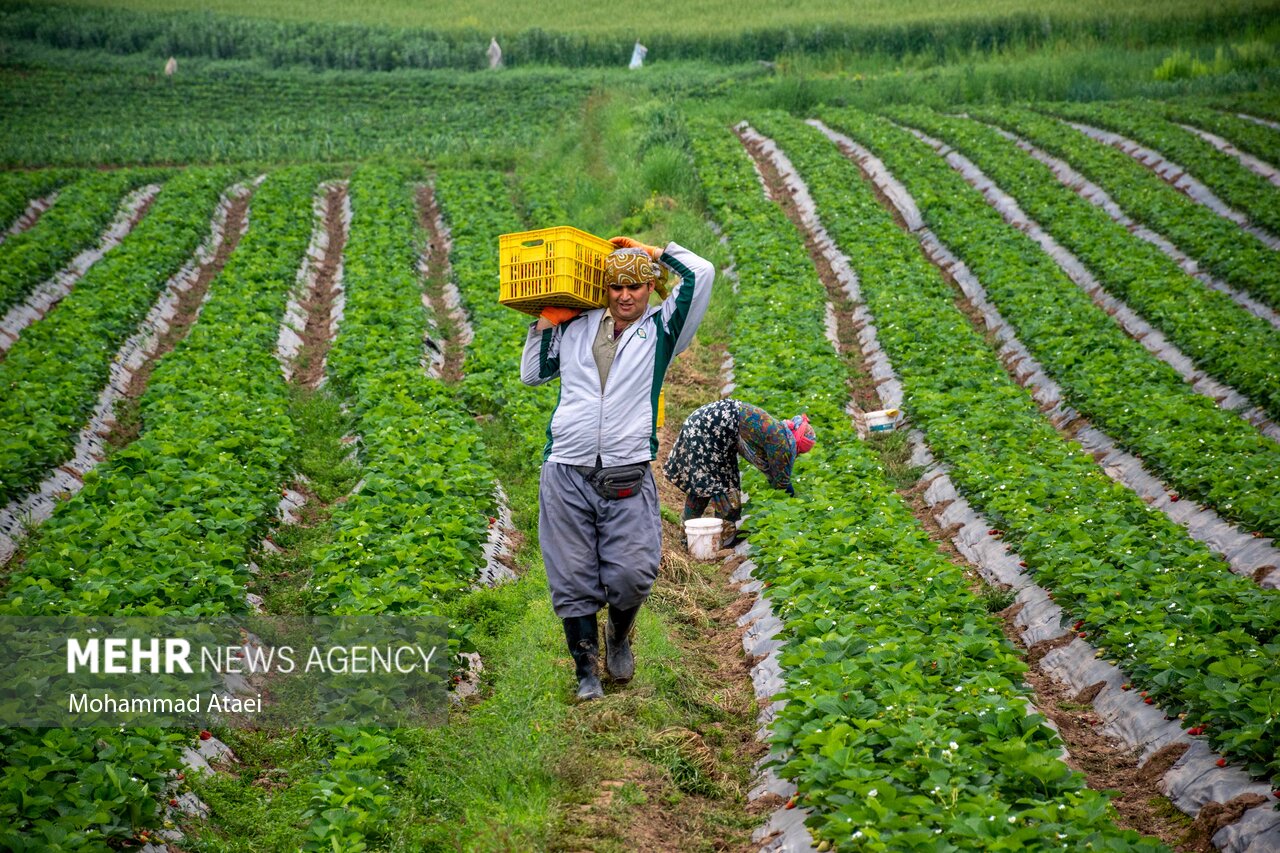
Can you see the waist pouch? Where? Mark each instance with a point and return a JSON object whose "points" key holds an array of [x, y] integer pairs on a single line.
{"points": [[622, 481]]}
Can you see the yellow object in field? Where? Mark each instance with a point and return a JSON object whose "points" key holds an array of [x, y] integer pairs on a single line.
{"points": [[559, 266]]}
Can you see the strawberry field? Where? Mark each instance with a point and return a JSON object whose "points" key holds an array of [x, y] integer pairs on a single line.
{"points": [[252, 362]]}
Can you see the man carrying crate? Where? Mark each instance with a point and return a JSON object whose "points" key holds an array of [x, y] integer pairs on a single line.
{"points": [[599, 526]]}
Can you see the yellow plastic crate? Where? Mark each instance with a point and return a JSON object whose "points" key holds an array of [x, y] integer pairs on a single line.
{"points": [[552, 266]]}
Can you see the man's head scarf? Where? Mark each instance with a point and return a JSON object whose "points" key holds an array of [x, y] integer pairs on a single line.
{"points": [[630, 266]]}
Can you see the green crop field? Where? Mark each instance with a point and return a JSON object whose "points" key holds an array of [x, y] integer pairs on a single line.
{"points": [[506, 18], [253, 367]]}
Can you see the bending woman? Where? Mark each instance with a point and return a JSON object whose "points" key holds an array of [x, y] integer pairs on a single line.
{"points": [[704, 460]]}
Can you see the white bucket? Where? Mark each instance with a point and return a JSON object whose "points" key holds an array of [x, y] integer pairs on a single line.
{"points": [[704, 537]]}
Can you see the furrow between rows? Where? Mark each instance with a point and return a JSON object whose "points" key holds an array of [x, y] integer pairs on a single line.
{"points": [[30, 216], [1179, 178], [129, 368], [1254, 164], [1274, 125], [1152, 340], [314, 310], [1099, 197], [48, 294]]}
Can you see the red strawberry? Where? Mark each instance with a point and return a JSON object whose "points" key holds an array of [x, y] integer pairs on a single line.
{"points": [[1221, 762], [993, 532], [1174, 497], [173, 801], [1079, 624], [1143, 694], [1125, 686], [1082, 634], [1195, 730], [181, 776], [492, 521], [791, 803], [1276, 793], [1023, 564], [205, 734], [1149, 701]]}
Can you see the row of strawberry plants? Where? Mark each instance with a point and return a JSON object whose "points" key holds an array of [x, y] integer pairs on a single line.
{"points": [[409, 539], [1246, 135], [1201, 450], [74, 223], [476, 206], [53, 373], [904, 725], [412, 533], [1226, 341], [1261, 106], [164, 527], [19, 189], [1235, 256], [1251, 194], [1195, 636]]}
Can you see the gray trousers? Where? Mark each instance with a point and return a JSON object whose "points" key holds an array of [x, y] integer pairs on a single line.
{"points": [[596, 551]]}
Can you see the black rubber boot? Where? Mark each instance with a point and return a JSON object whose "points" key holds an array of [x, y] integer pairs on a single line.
{"points": [[582, 634], [619, 662]]}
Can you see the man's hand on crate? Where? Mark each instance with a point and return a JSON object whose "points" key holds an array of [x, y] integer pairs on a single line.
{"points": [[553, 315], [654, 252]]}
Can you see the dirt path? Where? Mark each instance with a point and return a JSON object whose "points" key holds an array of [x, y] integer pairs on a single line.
{"points": [[634, 806], [446, 306], [318, 301]]}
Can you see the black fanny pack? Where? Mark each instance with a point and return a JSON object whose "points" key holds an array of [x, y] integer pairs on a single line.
{"points": [[622, 481]]}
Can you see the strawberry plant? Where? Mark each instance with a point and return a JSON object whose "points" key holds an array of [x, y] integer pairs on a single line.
{"points": [[1141, 402], [1235, 256], [53, 373], [1170, 612], [904, 726], [1226, 341], [1251, 194]]}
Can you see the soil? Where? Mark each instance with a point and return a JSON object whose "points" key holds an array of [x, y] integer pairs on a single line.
{"points": [[127, 425], [318, 301], [1109, 766], [1106, 764], [437, 274]]}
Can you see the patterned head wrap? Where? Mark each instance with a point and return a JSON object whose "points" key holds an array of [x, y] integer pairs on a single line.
{"points": [[804, 434], [630, 266]]}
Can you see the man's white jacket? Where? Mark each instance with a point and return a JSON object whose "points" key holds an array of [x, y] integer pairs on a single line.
{"points": [[618, 424]]}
